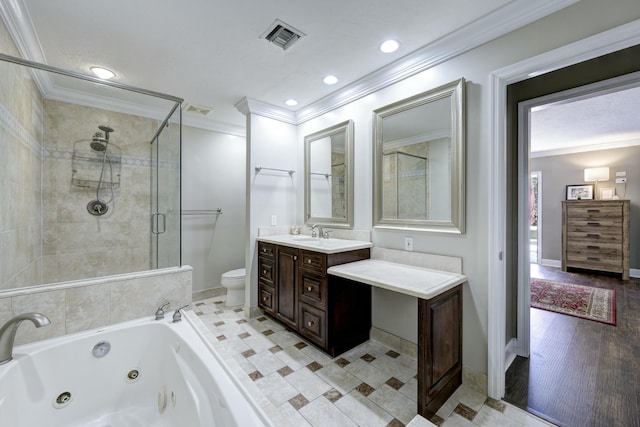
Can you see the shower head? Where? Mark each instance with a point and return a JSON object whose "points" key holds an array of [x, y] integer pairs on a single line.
{"points": [[98, 142]]}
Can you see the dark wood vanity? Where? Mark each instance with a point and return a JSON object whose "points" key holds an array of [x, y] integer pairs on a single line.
{"points": [[293, 287]]}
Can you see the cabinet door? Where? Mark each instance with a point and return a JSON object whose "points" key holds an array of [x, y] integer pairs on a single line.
{"points": [[439, 349], [286, 295]]}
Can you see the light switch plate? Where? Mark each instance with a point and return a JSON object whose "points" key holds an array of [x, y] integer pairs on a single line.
{"points": [[408, 244]]}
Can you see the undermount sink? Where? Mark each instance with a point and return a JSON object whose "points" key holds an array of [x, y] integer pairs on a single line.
{"points": [[306, 239]]}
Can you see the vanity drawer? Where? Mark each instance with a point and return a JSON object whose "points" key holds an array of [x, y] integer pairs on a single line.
{"points": [[314, 261], [266, 298], [313, 289], [266, 270], [266, 250], [313, 324]]}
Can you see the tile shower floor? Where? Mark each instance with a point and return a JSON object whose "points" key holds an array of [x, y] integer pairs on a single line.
{"points": [[371, 385]]}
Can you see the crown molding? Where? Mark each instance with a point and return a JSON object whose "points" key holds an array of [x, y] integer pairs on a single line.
{"points": [[249, 105], [515, 15]]}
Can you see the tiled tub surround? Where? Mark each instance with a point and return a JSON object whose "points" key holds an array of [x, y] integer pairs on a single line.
{"points": [[371, 385], [87, 304]]}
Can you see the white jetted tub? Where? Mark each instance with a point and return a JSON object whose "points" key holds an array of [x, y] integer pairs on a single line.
{"points": [[142, 373]]}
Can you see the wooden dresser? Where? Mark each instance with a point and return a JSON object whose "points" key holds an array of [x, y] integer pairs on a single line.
{"points": [[595, 235]]}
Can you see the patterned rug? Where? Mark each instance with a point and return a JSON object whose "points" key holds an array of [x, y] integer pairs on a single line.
{"points": [[575, 300]]}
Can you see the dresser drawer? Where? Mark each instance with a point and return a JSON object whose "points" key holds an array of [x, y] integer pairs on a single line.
{"points": [[594, 224], [594, 248], [266, 250], [314, 261], [313, 289], [603, 235], [595, 211]]}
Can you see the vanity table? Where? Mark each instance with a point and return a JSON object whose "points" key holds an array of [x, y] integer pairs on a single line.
{"points": [[439, 296]]}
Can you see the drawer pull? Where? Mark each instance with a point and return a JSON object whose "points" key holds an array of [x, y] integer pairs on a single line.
{"points": [[595, 236], [592, 258], [309, 288], [593, 247], [593, 210], [311, 323], [593, 223]]}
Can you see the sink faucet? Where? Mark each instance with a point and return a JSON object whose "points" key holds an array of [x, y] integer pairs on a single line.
{"points": [[316, 230], [8, 332]]}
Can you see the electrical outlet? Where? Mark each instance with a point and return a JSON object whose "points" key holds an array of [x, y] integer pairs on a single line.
{"points": [[621, 180], [408, 244], [274, 219]]}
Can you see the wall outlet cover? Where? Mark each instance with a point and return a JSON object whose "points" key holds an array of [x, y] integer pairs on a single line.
{"points": [[408, 244], [621, 180]]}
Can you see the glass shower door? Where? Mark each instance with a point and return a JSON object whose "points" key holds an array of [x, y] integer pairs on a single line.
{"points": [[165, 195]]}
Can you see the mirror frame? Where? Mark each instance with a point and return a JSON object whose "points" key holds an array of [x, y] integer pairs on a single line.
{"points": [[456, 225], [346, 222]]}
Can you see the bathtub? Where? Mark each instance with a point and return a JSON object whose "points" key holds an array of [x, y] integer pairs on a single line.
{"points": [[144, 373]]}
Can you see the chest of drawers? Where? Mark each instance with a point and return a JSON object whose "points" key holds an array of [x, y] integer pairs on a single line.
{"points": [[595, 235]]}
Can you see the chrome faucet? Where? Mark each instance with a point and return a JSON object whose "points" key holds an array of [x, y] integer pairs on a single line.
{"points": [[8, 332], [316, 230]]}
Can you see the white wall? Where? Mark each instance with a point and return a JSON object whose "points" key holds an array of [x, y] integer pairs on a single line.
{"points": [[270, 144], [213, 176]]}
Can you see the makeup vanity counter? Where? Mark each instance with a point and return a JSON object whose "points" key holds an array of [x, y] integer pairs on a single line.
{"points": [[439, 295]]}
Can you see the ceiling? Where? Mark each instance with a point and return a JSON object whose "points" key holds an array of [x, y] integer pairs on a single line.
{"points": [[210, 52]]}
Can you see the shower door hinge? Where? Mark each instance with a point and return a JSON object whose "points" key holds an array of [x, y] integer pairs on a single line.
{"points": [[155, 223]]}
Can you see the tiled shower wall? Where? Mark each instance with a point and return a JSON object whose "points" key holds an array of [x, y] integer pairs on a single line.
{"points": [[77, 244]]}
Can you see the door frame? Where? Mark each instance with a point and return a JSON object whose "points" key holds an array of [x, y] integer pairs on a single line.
{"points": [[618, 38]]}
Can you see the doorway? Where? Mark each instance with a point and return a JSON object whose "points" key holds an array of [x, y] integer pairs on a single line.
{"points": [[596, 58], [535, 217]]}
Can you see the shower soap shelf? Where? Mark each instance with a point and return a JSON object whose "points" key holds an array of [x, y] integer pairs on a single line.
{"points": [[88, 165]]}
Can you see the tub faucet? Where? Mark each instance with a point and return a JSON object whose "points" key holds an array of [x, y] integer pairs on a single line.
{"points": [[8, 332]]}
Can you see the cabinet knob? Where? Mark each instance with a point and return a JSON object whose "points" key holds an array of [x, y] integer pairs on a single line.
{"points": [[295, 257], [308, 261], [264, 271], [311, 323], [309, 288], [264, 298]]}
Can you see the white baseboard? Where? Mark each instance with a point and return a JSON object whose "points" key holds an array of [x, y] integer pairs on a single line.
{"points": [[634, 272], [551, 263], [510, 353]]}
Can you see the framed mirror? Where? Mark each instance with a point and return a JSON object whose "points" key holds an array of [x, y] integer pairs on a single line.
{"points": [[419, 162], [328, 178]]}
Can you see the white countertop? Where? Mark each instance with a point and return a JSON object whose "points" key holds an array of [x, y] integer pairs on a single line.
{"points": [[326, 246], [407, 279]]}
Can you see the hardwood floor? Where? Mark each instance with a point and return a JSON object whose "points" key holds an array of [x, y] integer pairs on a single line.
{"points": [[581, 372]]}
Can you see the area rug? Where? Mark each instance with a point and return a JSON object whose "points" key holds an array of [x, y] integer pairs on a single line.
{"points": [[575, 300]]}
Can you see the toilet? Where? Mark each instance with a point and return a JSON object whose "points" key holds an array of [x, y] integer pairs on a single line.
{"points": [[234, 282]]}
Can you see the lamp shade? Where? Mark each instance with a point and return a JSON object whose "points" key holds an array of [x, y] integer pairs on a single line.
{"points": [[596, 174]]}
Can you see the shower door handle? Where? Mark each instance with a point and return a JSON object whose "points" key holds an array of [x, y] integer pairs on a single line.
{"points": [[155, 229]]}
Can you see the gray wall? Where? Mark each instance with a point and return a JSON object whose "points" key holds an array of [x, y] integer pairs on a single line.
{"points": [[560, 171]]}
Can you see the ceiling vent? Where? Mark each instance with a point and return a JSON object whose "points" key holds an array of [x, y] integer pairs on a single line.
{"points": [[282, 35], [197, 109]]}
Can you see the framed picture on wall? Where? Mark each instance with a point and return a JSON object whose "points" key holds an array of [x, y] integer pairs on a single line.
{"points": [[607, 193], [580, 192]]}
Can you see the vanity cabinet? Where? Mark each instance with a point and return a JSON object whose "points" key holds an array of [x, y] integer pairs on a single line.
{"points": [[294, 288], [595, 235]]}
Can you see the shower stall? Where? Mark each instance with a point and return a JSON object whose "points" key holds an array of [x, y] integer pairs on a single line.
{"points": [[90, 176]]}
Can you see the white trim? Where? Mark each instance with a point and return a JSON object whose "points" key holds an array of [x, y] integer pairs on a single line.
{"points": [[600, 44], [634, 272], [510, 352], [551, 263], [538, 174], [524, 235]]}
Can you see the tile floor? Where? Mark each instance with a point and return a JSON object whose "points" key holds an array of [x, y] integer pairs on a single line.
{"points": [[371, 385]]}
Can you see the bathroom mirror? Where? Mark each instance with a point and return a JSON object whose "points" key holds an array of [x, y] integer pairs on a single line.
{"points": [[419, 161], [328, 178]]}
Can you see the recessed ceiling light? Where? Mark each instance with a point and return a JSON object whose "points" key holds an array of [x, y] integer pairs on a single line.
{"points": [[291, 102], [330, 80], [103, 73], [389, 46]]}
